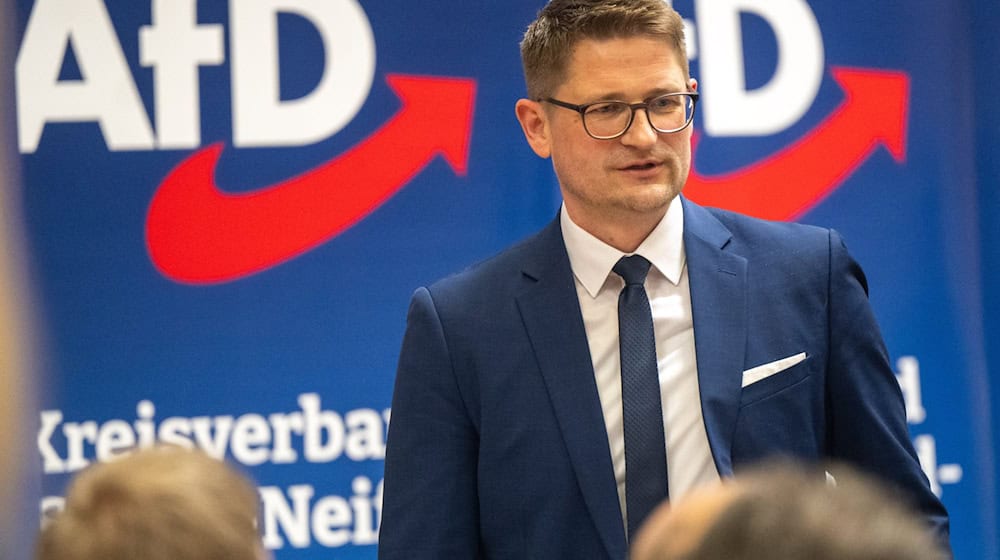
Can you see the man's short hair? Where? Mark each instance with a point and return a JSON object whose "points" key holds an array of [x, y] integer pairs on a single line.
{"points": [[786, 512], [164, 503], [549, 41]]}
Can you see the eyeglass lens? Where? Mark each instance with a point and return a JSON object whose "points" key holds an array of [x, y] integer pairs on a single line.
{"points": [[667, 113]]}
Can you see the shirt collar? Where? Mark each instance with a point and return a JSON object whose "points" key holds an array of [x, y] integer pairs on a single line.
{"points": [[592, 259]]}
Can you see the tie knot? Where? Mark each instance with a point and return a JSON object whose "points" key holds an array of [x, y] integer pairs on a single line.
{"points": [[632, 269]]}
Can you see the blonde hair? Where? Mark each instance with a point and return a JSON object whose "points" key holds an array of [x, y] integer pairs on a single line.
{"points": [[548, 42], [165, 503]]}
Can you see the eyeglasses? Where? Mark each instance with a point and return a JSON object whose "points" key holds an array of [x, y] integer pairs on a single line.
{"points": [[607, 120]]}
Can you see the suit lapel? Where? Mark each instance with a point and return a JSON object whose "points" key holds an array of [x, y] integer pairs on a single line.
{"points": [[551, 313], [718, 280]]}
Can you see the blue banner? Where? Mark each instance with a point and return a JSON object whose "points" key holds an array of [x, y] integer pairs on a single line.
{"points": [[227, 206]]}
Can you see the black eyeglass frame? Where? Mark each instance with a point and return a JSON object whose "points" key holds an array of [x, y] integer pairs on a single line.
{"points": [[582, 109]]}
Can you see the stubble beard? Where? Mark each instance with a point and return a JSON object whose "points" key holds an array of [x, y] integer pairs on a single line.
{"points": [[624, 201]]}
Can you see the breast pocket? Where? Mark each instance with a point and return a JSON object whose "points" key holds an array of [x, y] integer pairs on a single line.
{"points": [[780, 414], [763, 381]]}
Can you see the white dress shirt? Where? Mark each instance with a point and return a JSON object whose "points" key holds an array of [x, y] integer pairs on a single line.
{"points": [[689, 458]]}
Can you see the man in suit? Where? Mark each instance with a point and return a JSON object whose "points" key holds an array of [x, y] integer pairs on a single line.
{"points": [[541, 412]]}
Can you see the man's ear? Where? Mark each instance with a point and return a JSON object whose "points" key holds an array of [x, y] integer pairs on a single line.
{"points": [[535, 124]]}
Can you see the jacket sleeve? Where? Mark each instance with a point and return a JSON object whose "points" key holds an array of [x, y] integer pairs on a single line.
{"points": [[430, 504], [866, 417]]}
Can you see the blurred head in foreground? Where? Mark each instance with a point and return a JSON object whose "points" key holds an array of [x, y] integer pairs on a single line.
{"points": [[161, 503], [784, 512]]}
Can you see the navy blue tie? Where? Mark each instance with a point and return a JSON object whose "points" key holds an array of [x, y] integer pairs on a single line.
{"points": [[645, 449]]}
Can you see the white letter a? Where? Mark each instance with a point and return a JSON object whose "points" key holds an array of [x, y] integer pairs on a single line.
{"points": [[106, 94]]}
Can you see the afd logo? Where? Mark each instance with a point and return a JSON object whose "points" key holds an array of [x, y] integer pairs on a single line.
{"points": [[197, 233], [788, 183]]}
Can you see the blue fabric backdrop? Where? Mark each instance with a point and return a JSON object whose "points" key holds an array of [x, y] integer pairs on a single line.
{"points": [[986, 17], [171, 311]]}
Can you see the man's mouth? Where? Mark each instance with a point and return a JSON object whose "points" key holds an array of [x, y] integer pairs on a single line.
{"points": [[641, 166]]}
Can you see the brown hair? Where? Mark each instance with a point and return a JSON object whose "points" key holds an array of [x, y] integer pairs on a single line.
{"points": [[549, 40], [165, 503], [788, 512]]}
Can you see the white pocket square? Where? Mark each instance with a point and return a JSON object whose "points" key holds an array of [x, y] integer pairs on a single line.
{"points": [[758, 373]]}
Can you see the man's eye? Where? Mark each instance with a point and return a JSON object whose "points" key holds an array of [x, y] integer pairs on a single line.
{"points": [[664, 104], [606, 109]]}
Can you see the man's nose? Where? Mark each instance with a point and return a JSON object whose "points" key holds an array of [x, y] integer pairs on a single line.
{"points": [[640, 132]]}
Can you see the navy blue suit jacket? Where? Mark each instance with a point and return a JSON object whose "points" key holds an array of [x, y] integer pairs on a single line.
{"points": [[497, 446]]}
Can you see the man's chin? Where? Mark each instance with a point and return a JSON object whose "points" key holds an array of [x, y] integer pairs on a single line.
{"points": [[651, 198]]}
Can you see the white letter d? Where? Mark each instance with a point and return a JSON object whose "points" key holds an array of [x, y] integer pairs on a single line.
{"points": [[260, 117]]}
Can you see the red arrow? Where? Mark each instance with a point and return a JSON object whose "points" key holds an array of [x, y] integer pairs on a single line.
{"points": [[198, 234], [797, 178]]}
